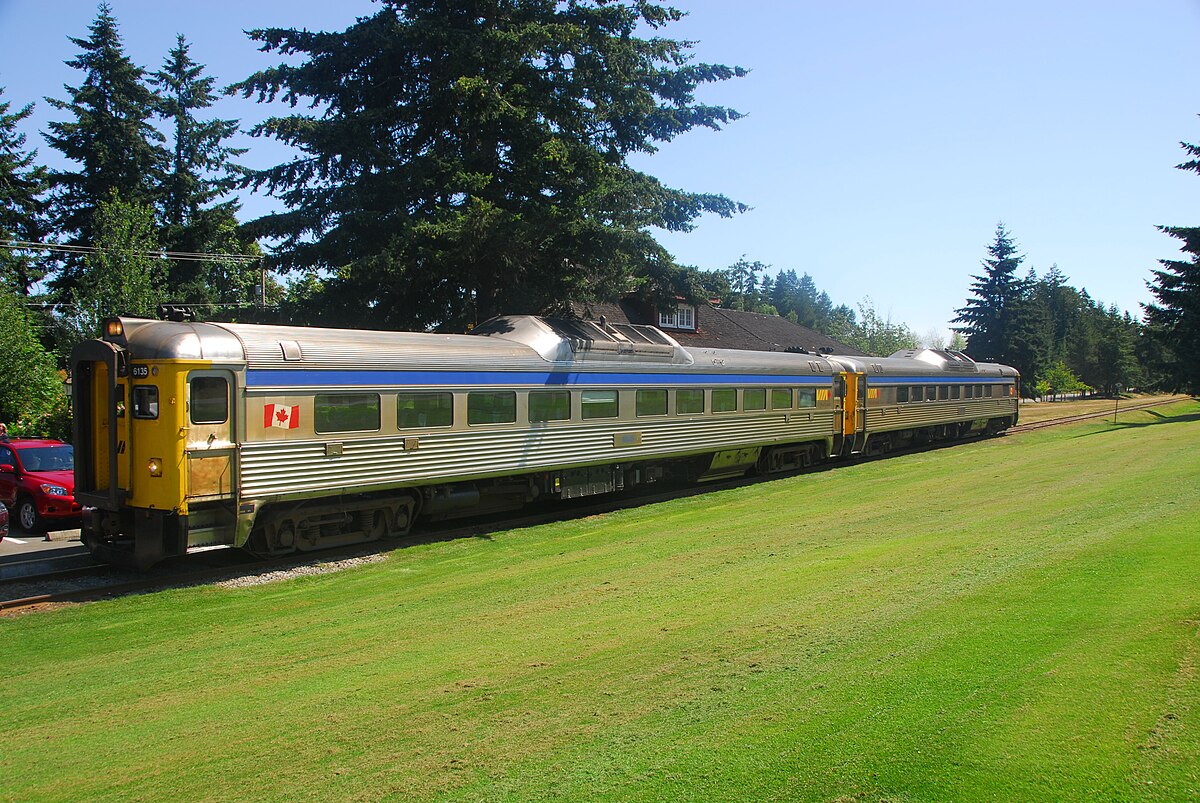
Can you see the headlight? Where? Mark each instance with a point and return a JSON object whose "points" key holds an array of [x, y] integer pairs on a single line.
{"points": [[155, 466], [53, 490]]}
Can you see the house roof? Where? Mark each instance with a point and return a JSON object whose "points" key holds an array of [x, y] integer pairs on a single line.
{"points": [[717, 327]]}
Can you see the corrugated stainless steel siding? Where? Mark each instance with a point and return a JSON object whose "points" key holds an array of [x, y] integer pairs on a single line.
{"points": [[277, 469], [923, 414]]}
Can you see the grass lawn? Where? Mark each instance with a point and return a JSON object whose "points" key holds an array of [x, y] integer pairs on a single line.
{"points": [[1014, 619]]}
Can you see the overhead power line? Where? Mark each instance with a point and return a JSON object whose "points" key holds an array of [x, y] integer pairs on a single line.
{"points": [[182, 256]]}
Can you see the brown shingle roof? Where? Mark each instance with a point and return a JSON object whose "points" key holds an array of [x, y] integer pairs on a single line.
{"points": [[724, 328]]}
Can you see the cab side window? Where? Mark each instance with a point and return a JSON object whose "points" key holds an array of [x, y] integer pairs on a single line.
{"points": [[145, 401], [209, 400]]}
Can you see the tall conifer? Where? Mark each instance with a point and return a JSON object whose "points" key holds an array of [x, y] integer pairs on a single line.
{"points": [[467, 159], [110, 138], [1174, 322]]}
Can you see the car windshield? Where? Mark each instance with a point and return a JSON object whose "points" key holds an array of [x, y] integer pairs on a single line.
{"points": [[48, 458]]}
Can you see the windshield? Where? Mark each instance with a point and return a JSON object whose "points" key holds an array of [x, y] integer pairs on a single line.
{"points": [[48, 458]]}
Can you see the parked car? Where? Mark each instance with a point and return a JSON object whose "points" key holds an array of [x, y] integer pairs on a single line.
{"points": [[37, 483], [3, 521]]}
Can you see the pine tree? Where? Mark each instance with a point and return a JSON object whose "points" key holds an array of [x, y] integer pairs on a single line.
{"points": [[469, 159], [111, 139], [23, 186], [1174, 322], [200, 170], [1003, 323]]}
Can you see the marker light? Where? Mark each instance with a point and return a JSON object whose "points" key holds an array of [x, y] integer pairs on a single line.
{"points": [[155, 466], [114, 328]]}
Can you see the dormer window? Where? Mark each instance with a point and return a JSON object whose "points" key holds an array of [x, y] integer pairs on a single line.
{"points": [[680, 317]]}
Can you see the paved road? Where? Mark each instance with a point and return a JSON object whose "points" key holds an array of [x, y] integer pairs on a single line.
{"points": [[18, 545]]}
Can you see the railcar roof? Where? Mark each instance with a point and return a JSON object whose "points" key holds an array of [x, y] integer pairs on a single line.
{"points": [[514, 343]]}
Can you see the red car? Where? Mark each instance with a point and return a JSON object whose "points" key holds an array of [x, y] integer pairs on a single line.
{"points": [[37, 483], [3, 521]]}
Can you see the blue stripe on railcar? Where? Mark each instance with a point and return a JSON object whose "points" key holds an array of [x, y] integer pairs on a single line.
{"points": [[939, 380], [335, 378]]}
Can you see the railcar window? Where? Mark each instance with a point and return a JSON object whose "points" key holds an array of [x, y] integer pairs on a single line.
{"points": [[424, 410], [145, 401], [987, 391], [651, 402], [754, 399], [346, 412], [918, 393], [955, 391], [689, 401], [781, 398], [599, 404], [943, 392], [930, 393], [806, 397], [209, 403], [491, 407], [724, 400], [902, 394], [549, 405]]}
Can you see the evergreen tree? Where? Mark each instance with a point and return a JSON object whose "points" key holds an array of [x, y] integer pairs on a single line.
{"points": [[469, 159], [987, 319], [111, 139], [23, 185], [743, 282], [1001, 323], [1174, 321], [200, 171]]}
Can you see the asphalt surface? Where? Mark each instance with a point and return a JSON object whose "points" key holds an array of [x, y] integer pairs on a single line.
{"points": [[19, 545]]}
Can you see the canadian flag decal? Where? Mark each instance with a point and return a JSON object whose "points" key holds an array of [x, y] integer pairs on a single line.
{"points": [[281, 415]]}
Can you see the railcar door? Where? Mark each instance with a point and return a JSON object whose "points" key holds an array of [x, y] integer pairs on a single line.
{"points": [[210, 457], [854, 410], [100, 385]]}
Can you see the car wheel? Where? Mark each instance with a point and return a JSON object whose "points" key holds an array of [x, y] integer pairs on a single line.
{"points": [[27, 515]]}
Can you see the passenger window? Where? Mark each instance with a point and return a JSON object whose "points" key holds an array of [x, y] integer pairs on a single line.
{"points": [[806, 397], [987, 391], [417, 410], [754, 399], [145, 401], [724, 400], [955, 390], [209, 402], [781, 398], [651, 402], [689, 401], [918, 393], [346, 412], [943, 392], [930, 393], [549, 405], [491, 407], [902, 394], [599, 404]]}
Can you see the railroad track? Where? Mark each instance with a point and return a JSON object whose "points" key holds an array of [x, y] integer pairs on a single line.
{"points": [[1071, 419], [42, 583]]}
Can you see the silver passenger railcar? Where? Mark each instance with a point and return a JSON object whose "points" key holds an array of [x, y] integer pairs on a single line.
{"points": [[279, 438]]}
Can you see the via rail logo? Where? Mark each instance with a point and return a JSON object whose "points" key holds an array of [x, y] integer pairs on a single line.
{"points": [[281, 416]]}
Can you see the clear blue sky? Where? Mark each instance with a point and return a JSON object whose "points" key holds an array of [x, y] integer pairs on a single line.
{"points": [[882, 144]]}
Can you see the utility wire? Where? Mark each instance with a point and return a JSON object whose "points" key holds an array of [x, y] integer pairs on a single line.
{"points": [[182, 256]]}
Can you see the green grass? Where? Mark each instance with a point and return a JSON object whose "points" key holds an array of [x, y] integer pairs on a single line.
{"points": [[1015, 619]]}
